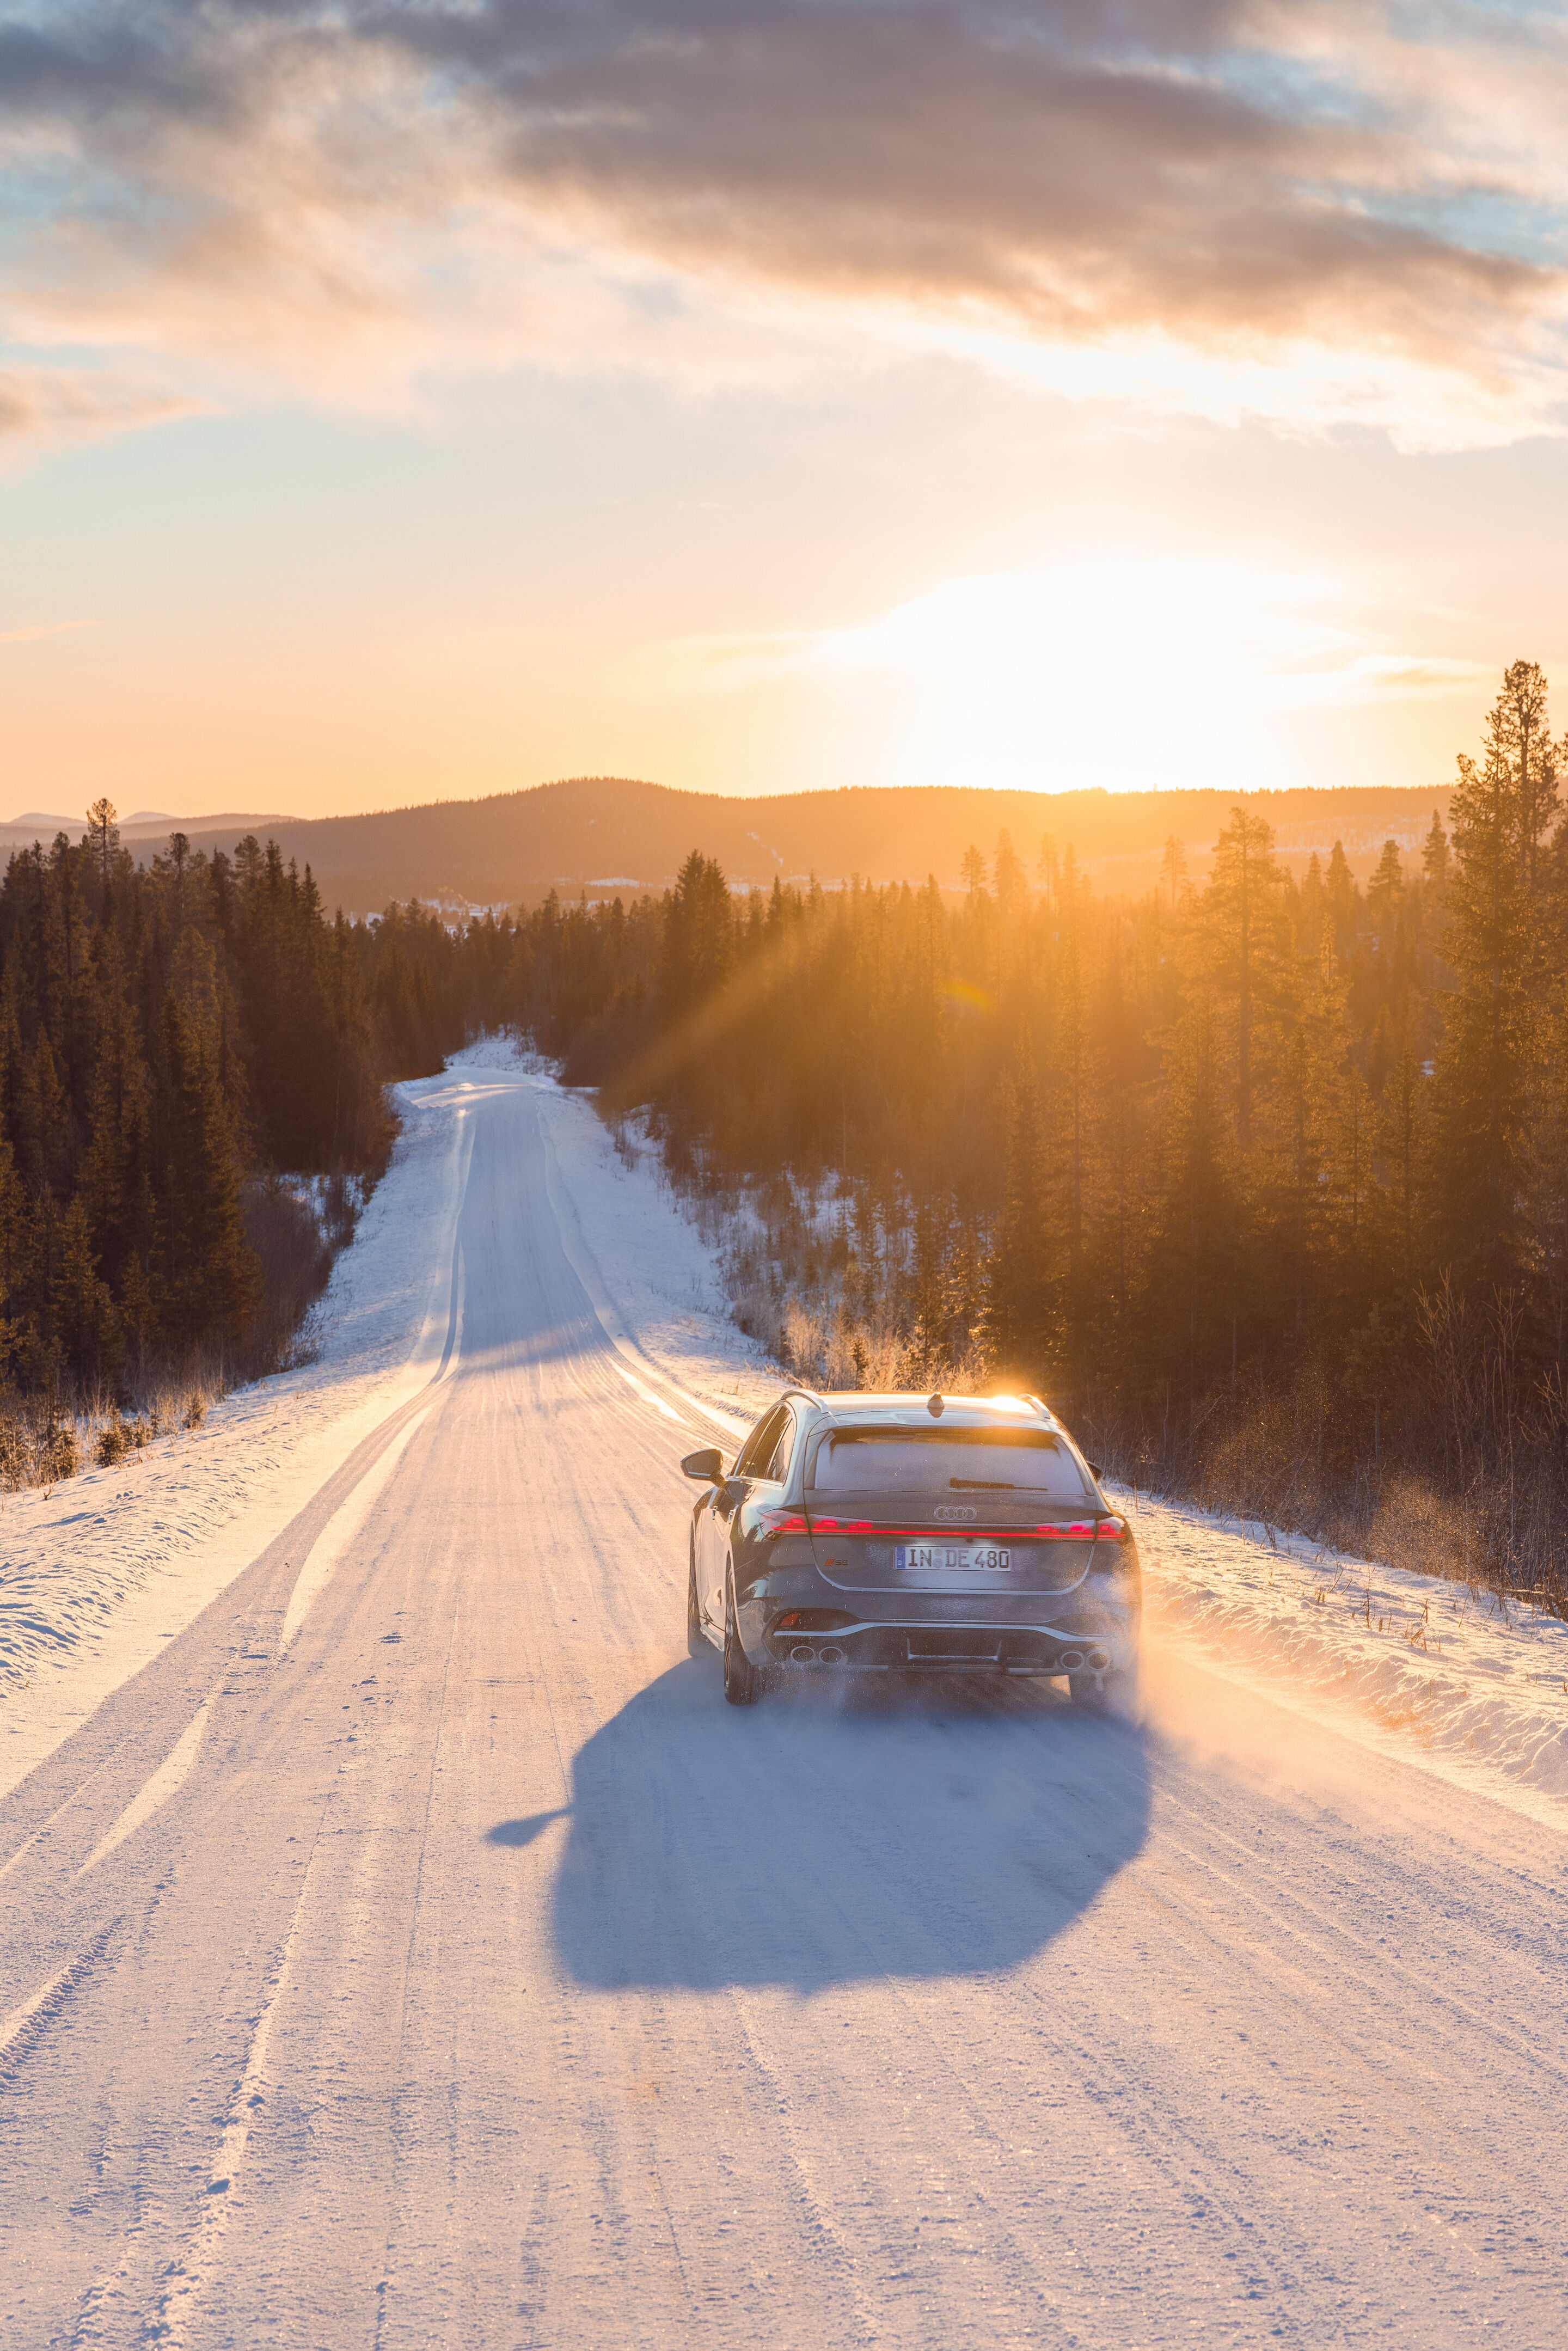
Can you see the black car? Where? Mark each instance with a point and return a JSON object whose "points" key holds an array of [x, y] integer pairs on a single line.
{"points": [[911, 1535]]}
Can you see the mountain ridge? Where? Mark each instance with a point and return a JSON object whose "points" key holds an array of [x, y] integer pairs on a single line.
{"points": [[604, 834]]}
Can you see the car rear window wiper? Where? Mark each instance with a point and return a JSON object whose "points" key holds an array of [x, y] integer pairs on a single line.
{"points": [[983, 1485]]}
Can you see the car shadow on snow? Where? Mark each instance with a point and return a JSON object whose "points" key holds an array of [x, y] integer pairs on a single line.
{"points": [[836, 1834]]}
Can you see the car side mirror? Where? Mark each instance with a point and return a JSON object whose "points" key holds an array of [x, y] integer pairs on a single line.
{"points": [[707, 1466], [1094, 1469]]}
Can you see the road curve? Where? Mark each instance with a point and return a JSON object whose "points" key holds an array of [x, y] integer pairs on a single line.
{"points": [[459, 1970]]}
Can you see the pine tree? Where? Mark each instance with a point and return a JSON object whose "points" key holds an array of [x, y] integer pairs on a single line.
{"points": [[1434, 859], [1493, 1019], [82, 1312], [116, 1169], [1242, 929], [103, 825], [926, 1352], [1068, 1160], [211, 1275], [1316, 1092], [1191, 1304], [1020, 1325], [1385, 891], [1343, 897], [18, 1255]]}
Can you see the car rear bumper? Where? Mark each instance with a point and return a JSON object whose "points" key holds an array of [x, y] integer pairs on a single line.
{"points": [[931, 1647], [1093, 1626]]}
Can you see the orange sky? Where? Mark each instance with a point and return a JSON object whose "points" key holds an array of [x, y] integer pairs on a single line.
{"points": [[405, 406]]}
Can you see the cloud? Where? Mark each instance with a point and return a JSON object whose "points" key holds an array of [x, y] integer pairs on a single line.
{"points": [[1311, 211], [51, 404], [47, 629]]}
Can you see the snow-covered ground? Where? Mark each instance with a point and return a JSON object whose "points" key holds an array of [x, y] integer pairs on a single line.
{"points": [[418, 1951], [645, 1266], [98, 1572], [1442, 1673]]}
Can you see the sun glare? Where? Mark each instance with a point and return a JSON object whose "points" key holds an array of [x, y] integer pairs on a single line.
{"points": [[1122, 672]]}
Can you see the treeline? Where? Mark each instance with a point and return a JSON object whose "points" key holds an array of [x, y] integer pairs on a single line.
{"points": [[1265, 1182], [175, 1040]]}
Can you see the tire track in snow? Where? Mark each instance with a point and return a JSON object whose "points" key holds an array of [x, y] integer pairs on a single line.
{"points": [[343, 1530], [31, 2019], [190, 2271], [42, 1831], [320, 1563], [154, 1794], [625, 1351]]}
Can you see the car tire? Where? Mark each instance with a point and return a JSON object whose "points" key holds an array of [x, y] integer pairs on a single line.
{"points": [[742, 1682], [1112, 1693], [697, 1639]]}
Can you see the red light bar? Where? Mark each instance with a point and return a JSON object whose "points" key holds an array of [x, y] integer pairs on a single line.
{"points": [[1081, 1531], [782, 1522]]}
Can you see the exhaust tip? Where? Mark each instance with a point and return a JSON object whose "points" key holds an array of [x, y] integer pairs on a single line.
{"points": [[832, 1657], [803, 1655], [1070, 1661], [1100, 1659]]}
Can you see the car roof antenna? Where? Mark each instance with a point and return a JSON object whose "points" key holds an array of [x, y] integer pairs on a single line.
{"points": [[935, 1406]]}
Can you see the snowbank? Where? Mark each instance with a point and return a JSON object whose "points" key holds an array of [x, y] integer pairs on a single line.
{"points": [[1456, 1676]]}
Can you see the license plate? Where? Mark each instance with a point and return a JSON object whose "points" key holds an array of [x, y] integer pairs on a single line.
{"points": [[952, 1558]]}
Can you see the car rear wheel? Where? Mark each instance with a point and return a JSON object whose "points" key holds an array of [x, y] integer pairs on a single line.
{"points": [[697, 1639], [742, 1682]]}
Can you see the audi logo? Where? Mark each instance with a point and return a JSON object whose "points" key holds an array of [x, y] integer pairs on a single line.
{"points": [[964, 1512]]}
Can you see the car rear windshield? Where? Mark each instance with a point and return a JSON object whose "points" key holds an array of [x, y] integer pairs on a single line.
{"points": [[947, 1460]]}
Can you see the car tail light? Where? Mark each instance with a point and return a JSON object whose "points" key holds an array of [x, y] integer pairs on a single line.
{"points": [[1071, 1530], [781, 1522]]}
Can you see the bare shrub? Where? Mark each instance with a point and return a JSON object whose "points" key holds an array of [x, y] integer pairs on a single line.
{"points": [[167, 1399], [801, 1340], [1415, 1527], [1269, 1457]]}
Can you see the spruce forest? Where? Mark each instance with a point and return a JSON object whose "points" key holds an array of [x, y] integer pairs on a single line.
{"points": [[1264, 1184], [192, 1067]]}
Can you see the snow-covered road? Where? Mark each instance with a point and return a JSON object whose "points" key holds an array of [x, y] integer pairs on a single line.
{"points": [[418, 1952]]}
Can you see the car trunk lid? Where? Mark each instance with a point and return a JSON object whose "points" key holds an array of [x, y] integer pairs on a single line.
{"points": [[949, 1510]]}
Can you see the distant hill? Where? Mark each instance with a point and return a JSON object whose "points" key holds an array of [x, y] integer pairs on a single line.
{"points": [[144, 830], [603, 834]]}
